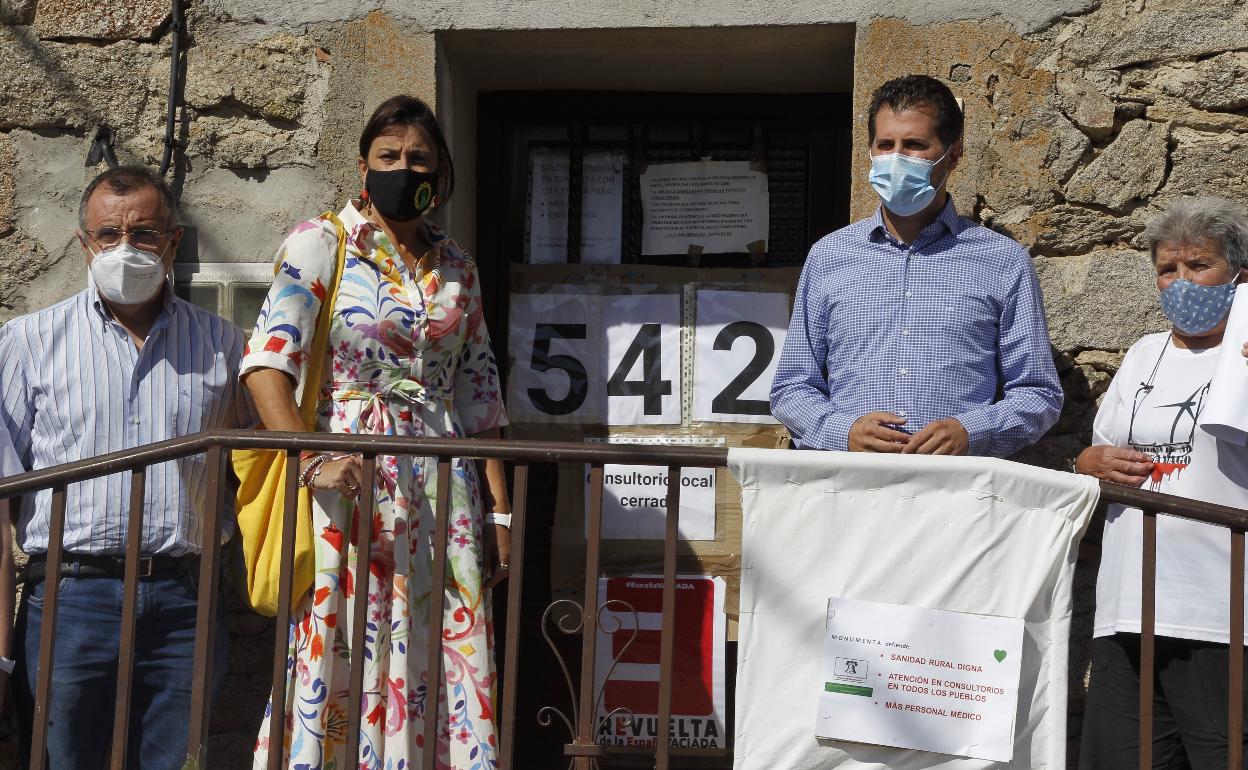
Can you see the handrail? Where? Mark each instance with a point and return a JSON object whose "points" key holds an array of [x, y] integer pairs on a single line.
{"points": [[479, 449], [523, 451]]}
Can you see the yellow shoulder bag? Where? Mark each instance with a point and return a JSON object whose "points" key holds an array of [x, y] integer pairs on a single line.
{"points": [[261, 500]]}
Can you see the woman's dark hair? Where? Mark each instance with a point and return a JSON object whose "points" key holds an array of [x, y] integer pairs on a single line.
{"points": [[906, 93], [405, 110]]}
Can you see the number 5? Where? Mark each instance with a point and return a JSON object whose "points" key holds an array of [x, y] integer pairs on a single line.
{"points": [[543, 361]]}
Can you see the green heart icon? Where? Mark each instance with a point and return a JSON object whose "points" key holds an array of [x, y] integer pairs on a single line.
{"points": [[999, 655]]}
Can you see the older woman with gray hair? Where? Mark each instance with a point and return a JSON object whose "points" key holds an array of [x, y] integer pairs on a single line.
{"points": [[1146, 434]]}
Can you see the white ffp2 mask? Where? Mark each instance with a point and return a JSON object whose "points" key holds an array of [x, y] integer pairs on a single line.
{"points": [[127, 275]]}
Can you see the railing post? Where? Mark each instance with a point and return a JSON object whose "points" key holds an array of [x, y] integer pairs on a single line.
{"points": [[206, 611], [437, 605], [47, 630], [129, 613], [667, 639], [588, 712], [515, 581], [282, 631], [1235, 694], [363, 571], [1148, 605]]}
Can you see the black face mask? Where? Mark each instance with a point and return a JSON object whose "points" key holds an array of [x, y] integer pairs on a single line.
{"points": [[400, 195]]}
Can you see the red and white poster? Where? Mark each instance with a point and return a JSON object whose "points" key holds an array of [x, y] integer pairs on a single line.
{"points": [[627, 663]]}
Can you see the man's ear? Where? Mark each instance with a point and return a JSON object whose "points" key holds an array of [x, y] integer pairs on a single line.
{"points": [[86, 249], [955, 154], [174, 243]]}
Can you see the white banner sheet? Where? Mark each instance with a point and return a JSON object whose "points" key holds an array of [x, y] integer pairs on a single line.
{"points": [[963, 534], [1225, 416]]}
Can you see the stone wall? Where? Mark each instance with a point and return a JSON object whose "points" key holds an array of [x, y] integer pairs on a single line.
{"points": [[1084, 119]]}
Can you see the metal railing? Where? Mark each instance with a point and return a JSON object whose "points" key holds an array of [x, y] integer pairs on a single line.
{"points": [[583, 748]]}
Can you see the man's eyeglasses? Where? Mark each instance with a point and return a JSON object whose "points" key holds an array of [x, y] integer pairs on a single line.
{"points": [[108, 237]]}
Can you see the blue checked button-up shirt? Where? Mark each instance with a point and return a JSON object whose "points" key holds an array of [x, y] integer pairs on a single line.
{"points": [[950, 326], [73, 385]]}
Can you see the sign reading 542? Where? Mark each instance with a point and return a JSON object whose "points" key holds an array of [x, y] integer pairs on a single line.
{"points": [[595, 359]]}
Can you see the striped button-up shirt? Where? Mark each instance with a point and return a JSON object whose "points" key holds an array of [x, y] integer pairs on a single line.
{"points": [[951, 325], [74, 385]]}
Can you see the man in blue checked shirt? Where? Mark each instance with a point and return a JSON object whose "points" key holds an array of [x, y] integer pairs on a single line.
{"points": [[121, 364], [916, 330]]}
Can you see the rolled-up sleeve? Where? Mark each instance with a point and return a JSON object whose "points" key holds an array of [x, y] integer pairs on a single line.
{"points": [[287, 321]]}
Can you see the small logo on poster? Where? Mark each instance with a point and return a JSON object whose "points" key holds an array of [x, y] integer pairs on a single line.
{"points": [[851, 669]]}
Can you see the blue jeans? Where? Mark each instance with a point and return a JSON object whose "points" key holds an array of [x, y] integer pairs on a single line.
{"points": [[84, 673]]}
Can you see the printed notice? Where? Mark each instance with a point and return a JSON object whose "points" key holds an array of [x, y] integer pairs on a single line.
{"points": [[634, 502], [602, 206], [919, 678], [717, 206]]}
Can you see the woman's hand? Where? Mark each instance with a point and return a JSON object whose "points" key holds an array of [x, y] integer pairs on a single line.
{"points": [[341, 473], [497, 552], [1117, 464]]}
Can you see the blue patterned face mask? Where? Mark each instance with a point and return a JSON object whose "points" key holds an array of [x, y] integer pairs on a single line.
{"points": [[904, 182], [1194, 308]]}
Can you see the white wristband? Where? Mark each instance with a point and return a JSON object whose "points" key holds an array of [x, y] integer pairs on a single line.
{"points": [[501, 519]]}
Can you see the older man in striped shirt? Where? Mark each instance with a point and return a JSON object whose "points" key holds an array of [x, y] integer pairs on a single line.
{"points": [[917, 330], [121, 364]]}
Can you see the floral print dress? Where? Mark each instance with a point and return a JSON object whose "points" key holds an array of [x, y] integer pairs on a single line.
{"points": [[406, 358]]}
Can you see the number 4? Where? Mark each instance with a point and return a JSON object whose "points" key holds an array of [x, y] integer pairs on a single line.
{"points": [[651, 387]]}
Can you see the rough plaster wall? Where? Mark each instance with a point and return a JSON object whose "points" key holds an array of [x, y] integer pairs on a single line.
{"points": [[1084, 118]]}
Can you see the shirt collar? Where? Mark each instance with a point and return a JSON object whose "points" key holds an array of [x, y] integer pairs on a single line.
{"points": [[359, 228], [170, 304], [946, 221]]}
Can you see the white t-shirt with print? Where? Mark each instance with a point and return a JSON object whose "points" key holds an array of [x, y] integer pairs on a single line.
{"points": [[1157, 414]]}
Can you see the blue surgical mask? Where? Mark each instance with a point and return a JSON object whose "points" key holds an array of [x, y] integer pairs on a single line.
{"points": [[1194, 308], [904, 182]]}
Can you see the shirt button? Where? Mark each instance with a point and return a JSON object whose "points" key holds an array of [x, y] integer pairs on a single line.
{"points": [[903, 371], [905, 332], [909, 293], [902, 413]]}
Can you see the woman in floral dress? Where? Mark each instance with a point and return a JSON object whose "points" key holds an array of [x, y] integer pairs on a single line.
{"points": [[408, 355]]}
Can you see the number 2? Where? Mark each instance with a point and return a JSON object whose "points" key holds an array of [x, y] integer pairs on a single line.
{"points": [[728, 401]]}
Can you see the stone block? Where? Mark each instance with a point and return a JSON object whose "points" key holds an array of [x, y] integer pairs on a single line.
{"points": [[1105, 300], [1089, 109], [266, 79], [240, 217], [239, 141], [64, 85], [1066, 229], [1127, 171], [8, 162], [1219, 84], [22, 261], [17, 11], [1116, 35], [1208, 164], [94, 20], [1107, 361]]}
